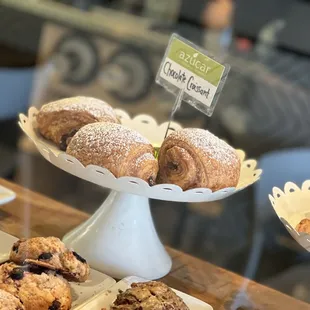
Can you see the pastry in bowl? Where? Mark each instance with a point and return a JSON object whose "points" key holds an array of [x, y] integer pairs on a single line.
{"points": [[50, 253], [304, 226], [195, 158], [58, 121], [151, 295], [123, 151]]}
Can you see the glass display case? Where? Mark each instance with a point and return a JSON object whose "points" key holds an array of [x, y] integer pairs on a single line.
{"points": [[112, 50]]}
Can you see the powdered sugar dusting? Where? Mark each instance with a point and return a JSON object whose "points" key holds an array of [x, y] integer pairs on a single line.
{"points": [[108, 139], [96, 107], [145, 156], [208, 143]]}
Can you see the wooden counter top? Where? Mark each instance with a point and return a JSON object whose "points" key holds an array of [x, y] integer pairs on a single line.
{"points": [[32, 214]]}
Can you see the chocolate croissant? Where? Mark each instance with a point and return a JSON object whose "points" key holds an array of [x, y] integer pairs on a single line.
{"points": [[119, 149], [58, 121], [195, 158]]}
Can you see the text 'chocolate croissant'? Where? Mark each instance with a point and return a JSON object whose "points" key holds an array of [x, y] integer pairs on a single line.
{"points": [[195, 158]]}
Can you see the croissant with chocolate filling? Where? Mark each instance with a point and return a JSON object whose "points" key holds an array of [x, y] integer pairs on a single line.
{"points": [[195, 158], [119, 149], [58, 121]]}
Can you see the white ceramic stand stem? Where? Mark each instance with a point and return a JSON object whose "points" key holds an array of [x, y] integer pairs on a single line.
{"points": [[120, 239]]}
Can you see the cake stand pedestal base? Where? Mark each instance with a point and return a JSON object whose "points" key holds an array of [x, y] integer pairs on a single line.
{"points": [[120, 239]]}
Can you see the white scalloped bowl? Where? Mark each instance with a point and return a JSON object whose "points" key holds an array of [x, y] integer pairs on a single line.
{"points": [[292, 205], [148, 126]]}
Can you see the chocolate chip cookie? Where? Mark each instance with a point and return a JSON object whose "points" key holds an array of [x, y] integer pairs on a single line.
{"points": [[41, 291], [9, 302], [50, 253], [149, 296]]}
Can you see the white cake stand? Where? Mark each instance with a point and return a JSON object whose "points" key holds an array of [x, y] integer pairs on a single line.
{"points": [[120, 238]]}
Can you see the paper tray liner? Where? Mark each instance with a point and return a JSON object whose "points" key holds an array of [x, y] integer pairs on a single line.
{"points": [[100, 290], [106, 299]]}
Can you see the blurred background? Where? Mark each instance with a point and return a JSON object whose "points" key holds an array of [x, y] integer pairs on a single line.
{"points": [[111, 49]]}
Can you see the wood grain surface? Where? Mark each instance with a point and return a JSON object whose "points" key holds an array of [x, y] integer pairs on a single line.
{"points": [[32, 214]]}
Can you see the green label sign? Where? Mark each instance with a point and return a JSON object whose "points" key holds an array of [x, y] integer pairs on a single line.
{"points": [[189, 70], [195, 61]]}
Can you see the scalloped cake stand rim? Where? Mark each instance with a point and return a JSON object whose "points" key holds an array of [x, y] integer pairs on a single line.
{"points": [[167, 192]]}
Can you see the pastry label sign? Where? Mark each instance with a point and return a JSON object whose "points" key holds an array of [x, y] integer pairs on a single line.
{"points": [[189, 68]]}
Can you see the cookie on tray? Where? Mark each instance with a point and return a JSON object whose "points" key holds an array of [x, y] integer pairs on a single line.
{"points": [[151, 295], [50, 253], [41, 291], [9, 302]]}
